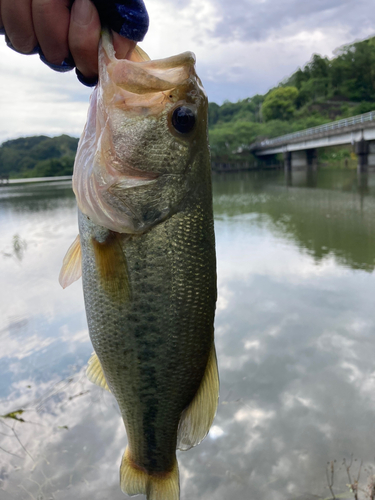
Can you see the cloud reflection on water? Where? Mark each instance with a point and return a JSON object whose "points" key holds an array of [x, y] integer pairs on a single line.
{"points": [[295, 346]]}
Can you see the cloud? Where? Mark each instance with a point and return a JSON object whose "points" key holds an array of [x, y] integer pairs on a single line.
{"points": [[35, 100], [256, 20]]}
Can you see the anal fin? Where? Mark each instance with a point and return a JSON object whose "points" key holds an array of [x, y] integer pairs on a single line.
{"points": [[197, 418], [71, 269], [136, 481], [94, 373]]}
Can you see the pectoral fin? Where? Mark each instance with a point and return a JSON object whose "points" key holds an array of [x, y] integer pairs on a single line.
{"points": [[112, 267], [94, 373], [197, 418], [71, 269]]}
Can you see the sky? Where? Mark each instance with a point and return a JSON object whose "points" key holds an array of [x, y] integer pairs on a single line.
{"points": [[243, 47]]}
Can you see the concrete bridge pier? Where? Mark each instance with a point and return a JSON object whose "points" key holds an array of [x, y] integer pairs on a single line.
{"points": [[362, 151], [301, 160], [287, 161], [312, 158], [365, 150]]}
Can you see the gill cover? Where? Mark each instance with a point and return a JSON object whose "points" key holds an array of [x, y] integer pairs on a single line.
{"points": [[134, 164]]}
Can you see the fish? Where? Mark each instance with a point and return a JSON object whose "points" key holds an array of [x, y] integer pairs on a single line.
{"points": [[146, 253]]}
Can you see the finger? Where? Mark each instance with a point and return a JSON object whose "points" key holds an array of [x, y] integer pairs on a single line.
{"points": [[17, 20], [84, 34], [123, 46], [51, 24]]}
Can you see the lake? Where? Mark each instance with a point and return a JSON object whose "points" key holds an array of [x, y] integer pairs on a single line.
{"points": [[295, 337]]}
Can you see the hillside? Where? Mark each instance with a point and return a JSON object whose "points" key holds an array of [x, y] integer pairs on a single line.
{"points": [[322, 91], [38, 156]]}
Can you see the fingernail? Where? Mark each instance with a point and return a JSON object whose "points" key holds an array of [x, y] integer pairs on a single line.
{"points": [[67, 64], [69, 61], [82, 12], [35, 50], [89, 82]]}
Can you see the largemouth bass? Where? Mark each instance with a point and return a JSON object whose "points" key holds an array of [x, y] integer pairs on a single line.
{"points": [[146, 250]]}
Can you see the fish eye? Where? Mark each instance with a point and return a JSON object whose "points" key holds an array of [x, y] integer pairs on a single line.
{"points": [[183, 119]]}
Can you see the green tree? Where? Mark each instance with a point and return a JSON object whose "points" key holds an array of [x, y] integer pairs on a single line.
{"points": [[38, 156], [318, 66], [299, 77], [52, 167], [313, 88], [229, 142], [280, 104], [213, 113]]}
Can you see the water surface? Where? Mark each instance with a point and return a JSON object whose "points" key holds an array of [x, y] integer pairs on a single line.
{"points": [[295, 337]]}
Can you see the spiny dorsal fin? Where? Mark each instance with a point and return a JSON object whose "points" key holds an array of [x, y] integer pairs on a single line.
{"points": [[139, 55], [197, 418], [136, 481], [71, 269], [94, 373]]}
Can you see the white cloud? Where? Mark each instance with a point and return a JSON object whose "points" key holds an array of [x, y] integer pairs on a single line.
{"points": [[35, 100], [252, 344], [216, 432]]}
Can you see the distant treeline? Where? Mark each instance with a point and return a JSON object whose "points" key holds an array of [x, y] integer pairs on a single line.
{"points": [[38, 156], [322, 91]]}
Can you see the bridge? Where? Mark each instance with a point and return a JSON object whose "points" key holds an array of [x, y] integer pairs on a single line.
{"points": [[300, 148]]}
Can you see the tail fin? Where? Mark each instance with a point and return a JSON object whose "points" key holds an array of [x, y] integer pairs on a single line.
{"points": [[135, 481]]}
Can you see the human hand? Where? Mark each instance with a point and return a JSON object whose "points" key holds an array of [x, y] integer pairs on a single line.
{"points": [[66, 34]]}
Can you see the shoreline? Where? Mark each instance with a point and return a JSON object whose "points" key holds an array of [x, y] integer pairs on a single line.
{"points": [[38, 179]]}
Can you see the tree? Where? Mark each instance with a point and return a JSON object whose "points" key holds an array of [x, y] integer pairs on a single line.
{"points": [[213, 113], [319, 66], [280, 104], [299, 77], [38, 156], [230, 141]]}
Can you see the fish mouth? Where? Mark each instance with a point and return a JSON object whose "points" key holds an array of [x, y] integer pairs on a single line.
{"points": [[152, 76], [131, 177], [146, 86]]}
